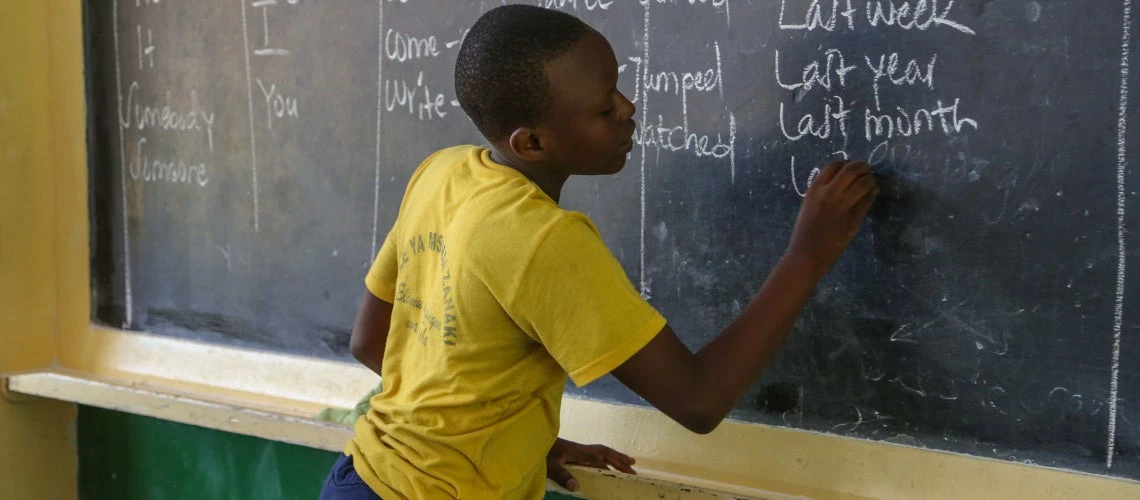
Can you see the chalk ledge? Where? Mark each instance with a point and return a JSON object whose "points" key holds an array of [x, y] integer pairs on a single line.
{"points": [[178, 402], [283, 421]]}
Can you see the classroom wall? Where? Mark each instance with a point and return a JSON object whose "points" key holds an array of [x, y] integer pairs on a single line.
{"points": [[37, 449], [37, 440], [27, 276]]}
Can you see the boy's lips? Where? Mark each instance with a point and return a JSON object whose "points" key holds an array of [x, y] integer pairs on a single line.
{"points": [[627, 146]]}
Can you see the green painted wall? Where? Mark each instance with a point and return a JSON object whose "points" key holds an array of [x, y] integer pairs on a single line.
{"points": [[125, 457]]}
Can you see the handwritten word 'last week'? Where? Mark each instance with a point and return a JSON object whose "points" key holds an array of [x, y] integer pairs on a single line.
{"points": [[920, 15]]}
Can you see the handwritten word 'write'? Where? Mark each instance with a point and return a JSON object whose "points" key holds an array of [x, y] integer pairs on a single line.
{"points": [[425, 105]]}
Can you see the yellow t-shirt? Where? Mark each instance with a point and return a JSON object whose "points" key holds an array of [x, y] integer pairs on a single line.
{"points": [[498, 294]]}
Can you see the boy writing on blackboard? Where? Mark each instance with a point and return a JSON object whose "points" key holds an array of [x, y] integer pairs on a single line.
{"points": [[486, 294]]}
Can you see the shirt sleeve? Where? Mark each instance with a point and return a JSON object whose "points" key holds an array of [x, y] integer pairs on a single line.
{"points": [[381, 278], [575, 298]]}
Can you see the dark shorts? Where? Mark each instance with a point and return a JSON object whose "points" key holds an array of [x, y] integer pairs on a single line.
{"points": [[344, 484]]}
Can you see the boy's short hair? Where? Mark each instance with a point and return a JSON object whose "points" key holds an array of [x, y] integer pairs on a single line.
{"points": [[500, 79]]}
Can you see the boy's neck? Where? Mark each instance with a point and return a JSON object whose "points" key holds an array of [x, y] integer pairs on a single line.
{"points": [[547, 179]]}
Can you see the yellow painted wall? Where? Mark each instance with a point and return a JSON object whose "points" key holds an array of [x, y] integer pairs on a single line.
{"points": [[27, 215], [37, 449], [42, 246]]}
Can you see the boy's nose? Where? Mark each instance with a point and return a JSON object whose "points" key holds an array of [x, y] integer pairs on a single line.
{"points": [[629, 109]]}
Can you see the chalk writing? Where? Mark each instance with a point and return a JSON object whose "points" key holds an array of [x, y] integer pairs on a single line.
{"points": [[672, 82], [276, 104], [818, 127], [166, 170], [402, 47], [921, 15], [166, 116], [266, 49], [145, 49], [675, 134], [812, 76], [848, 122], [679, 138], [573, 4], [888, 67], [419, 100], [906, 123]]}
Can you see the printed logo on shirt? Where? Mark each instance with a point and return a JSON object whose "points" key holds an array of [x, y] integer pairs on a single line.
{"points": [[431, 324]]}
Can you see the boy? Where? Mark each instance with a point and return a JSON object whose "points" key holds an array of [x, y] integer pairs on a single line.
{"points": [[486, 295]]}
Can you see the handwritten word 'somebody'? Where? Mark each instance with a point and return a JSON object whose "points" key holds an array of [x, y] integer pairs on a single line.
{"points": [[167, 116]]}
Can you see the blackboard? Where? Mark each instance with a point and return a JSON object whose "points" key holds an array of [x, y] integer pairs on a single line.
{"points": [[248, 156]]}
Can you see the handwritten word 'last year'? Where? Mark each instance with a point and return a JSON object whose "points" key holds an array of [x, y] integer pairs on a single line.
{"points": [[885, 69]]}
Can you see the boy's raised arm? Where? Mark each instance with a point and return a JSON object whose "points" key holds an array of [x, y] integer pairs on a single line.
{"points": [[698, 390]]}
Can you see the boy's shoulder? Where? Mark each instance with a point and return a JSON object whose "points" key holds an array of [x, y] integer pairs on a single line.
{"points": [[439, 164], [450, 155], [458, 152]]}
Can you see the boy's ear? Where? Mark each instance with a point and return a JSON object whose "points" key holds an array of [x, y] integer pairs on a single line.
{"points": [[525, 144]]}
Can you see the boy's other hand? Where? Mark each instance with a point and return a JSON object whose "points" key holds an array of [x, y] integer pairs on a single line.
{"points": [[590, 455], [832, 211]]}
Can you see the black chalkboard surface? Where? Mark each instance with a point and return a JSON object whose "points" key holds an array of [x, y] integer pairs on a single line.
{"points": [[248, 156]]}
